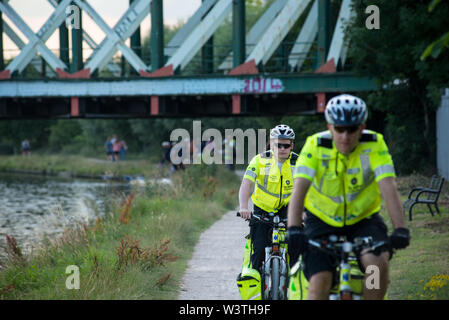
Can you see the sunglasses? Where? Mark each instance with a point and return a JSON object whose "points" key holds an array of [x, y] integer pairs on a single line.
{"points": [[348, 129], [283, 145]]}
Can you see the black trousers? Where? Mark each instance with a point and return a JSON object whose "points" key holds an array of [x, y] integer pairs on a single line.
{"points": [[260, 234], [316, 261]]}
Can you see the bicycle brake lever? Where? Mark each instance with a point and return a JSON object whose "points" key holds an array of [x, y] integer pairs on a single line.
{"points": [[239, 215]]}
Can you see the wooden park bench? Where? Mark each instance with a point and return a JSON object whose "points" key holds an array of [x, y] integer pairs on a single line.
{"points": [[427, 195]]}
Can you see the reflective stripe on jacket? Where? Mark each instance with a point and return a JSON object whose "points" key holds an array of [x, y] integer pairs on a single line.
{"points": [[344, 189], [273, 187]]}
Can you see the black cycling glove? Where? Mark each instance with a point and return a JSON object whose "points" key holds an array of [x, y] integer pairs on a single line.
{"points": [[400, 238], [297, 243]]}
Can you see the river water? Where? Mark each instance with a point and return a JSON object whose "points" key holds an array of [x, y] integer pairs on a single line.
{"points": [[34, 206]]}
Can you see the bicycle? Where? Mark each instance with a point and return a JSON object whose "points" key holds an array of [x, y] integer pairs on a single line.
{"points": [[350, 278], [274, 273]]}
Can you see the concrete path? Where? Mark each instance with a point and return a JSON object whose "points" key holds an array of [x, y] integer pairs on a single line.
{"points": [[217, 260]]}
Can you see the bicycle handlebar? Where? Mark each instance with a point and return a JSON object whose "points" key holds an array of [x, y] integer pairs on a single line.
{"points": [[334, 245], [268, 220]]}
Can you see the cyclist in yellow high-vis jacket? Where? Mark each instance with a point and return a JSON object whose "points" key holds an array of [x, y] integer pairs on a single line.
{"points": [[339, 179], [270, 175]]}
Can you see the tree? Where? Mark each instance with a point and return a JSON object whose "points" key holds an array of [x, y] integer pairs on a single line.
{"points": [[63, 133], [436, 46], [408, 87], [12, 132]]}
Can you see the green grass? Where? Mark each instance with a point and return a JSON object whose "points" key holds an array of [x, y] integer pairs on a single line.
{"points": [[76, 165], [140, 253], [421, 271]]}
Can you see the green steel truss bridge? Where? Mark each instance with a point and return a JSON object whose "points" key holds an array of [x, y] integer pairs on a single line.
{"points": [[261, 73]]}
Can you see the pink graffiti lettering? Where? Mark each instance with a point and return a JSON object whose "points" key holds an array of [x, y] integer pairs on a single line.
{"points": [[262, 85]]}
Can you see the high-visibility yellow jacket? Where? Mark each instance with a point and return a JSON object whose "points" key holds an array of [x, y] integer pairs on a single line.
{"points": [[344, 189], [273, 187]]}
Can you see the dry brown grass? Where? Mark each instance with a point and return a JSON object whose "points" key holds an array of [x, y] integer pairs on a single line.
{"points": [[125, 210], [131, 252], [14, 254]]}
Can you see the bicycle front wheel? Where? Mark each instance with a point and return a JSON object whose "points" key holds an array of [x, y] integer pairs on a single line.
{"points": [[275, 275]]}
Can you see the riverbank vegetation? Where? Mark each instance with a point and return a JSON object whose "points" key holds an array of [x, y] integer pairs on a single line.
{"points": [[78, 166], [138, 250]]}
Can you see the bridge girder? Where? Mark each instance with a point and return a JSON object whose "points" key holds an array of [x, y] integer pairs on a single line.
{"points": [[161, 90], [265, 35], [178, 86], [176, 96]]}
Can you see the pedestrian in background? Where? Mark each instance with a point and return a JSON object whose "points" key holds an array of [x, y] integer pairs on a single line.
{"points": [[26, 147], [108, 147], [122, 150], [166, 148], [115, 148]]}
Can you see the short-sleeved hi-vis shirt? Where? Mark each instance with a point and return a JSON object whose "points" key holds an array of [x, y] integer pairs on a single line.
{"points": [[273, 185], [344, 189]]}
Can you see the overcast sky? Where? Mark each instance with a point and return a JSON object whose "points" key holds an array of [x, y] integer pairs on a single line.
{"points": [[36, 12]]}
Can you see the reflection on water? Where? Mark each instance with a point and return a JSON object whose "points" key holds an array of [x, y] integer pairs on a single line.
{"points": [[33, 206]]}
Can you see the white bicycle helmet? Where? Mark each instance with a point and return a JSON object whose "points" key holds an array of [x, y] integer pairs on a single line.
{"points": [[346, 110], [282, 131]]}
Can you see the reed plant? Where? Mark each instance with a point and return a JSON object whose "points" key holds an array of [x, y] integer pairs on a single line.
{"points": [[138, 249]]}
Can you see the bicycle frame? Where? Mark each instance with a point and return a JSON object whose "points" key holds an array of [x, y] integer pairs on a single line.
{"points": [[350, 277], [346, 290], [275, 268], [347, 252]]}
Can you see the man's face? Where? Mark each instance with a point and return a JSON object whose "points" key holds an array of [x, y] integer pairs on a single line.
{"points": [[281, 148], [346, 138]]}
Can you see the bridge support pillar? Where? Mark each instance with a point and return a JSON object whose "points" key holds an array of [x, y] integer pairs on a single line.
{"points": [[324, 31], [154, 105], [237, 103], [238, 32], [77, 107], [238, 50], [328, 67], [157, 106], [157, 35], [77, 47], [136, 44], [64, 43]]}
